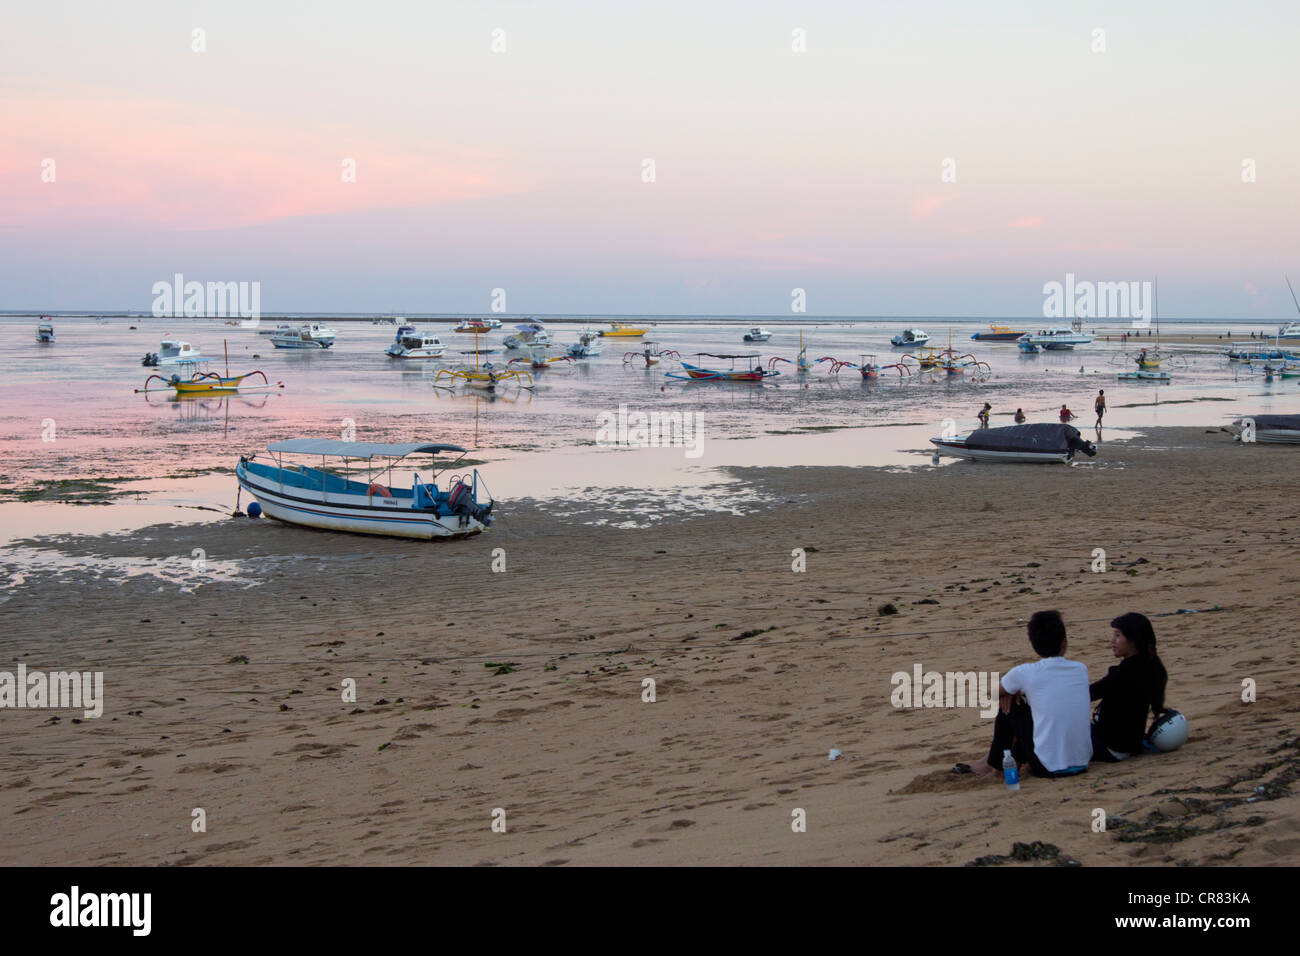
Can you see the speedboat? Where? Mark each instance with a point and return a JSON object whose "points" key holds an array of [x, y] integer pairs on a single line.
{"points": [[1274, 429], [1290, 331], [1042, 442], [588, 344], [284, 328], [998, 333], [410, 344], [171, 352], [357, 500], [313, 335], [757, 334], [910, 337], [623, 330], [1056, 338], [528, 334], [45, 331]]}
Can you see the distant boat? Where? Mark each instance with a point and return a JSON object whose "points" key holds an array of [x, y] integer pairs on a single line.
{"points": [[910, 337], [998, 333], [410, 344], [757, 334], [45, 331], [1029, 348], [1044, 442], [1057, 338], [1273, 429], [323, 499], [623, 330], [474, 326], [313, 335], [1289, 332], [588, 345]]}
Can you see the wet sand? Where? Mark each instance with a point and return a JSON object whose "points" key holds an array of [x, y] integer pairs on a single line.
{"points": [[523, 690]]}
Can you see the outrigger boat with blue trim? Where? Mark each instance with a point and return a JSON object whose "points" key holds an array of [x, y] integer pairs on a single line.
{"points": [[650, 354], [319, 498], [733, 374], [801, 364], [194, 379]]}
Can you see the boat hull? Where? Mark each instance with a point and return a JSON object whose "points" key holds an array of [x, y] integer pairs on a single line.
{"points": [[1144, 376], [297, 343], [956, 449], [387, 517], [997, 336]]}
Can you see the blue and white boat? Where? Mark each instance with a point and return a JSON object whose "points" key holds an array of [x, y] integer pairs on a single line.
{"points": [[357, 500], [313, 335], [45, 330], [528, 335]]}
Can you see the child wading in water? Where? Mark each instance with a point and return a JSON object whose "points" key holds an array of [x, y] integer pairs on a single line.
{"points": [[1099, 406]]}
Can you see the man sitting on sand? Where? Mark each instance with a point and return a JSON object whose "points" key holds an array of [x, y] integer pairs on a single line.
{"points": [[1043, 709]]}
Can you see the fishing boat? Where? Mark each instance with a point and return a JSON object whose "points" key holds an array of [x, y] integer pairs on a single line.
{"points": [[1057, 338], [757, 334], [587, 346], [1043, 442], [410, 344], [192, 378], [1029, 348], [171, 352], [321, 498], [871, 369], [528, 334], [45, 330], [538, 359], [1270, 429], [1149, 359], [998, 333], [801, 364], [488, 378], [948, 360], [474, 326], [1249, 352], [750, 373], [312, 335], [622, 330], [910, 337], [649, 354]]}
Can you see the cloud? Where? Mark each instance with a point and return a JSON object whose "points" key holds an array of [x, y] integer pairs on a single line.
{"points": [[928, 203]]}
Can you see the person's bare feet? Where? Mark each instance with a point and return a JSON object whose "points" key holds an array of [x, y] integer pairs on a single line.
{"points": [[982, 766]]}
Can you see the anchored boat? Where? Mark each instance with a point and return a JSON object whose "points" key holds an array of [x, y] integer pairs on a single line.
{"points": [[910, 337], [526, 335], [622, 330], [1056, 338], [1043, 442], [320, 498], [757, 334], [748, 374], [474, 326], [171, 352], [45, 330], [410, 344], [587, 346], [998, 333], [313, 335], [1272, 429]]}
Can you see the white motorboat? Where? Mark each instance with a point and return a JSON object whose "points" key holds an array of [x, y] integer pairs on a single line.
{"points": [[1042, 442], [358, 500], [1271, 429], [172, 352], [588, 344], [1289, 332], [410, 344], [526, 335], [757, 334], [312, 335], [1056, 338], [45, 331], [909, 337]]}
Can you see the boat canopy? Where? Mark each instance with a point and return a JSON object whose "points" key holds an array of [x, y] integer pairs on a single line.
{"points": [[356, 449], [1041, 437]]}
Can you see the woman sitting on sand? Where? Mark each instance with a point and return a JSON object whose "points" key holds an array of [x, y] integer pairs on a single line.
{"points": [[1129, 688]]}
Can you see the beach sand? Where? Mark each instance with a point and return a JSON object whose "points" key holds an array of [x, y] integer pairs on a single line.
{"points": [[523, 690]]}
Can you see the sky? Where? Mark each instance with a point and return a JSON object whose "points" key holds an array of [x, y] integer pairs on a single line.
{"points": [[694, 158]]}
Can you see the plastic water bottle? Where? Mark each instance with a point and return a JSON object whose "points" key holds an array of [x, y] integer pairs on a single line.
{"points": [[1010, 772]]}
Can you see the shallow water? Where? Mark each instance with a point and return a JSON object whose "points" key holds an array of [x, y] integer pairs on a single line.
{"points": [[68, 410]]}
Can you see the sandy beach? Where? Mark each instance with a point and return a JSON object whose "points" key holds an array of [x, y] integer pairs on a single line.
{"points": [[522, 691]]}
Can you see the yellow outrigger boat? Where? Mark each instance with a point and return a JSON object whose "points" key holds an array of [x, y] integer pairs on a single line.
{"points": [[206, 383], [623, 330]]}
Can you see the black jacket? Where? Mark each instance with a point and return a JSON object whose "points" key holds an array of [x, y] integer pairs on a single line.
{"points": [[1125, 695]]}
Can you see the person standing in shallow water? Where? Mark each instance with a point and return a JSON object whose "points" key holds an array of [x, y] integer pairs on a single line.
{"points": [[984, 415], [1099, 406], [1020, 416]]}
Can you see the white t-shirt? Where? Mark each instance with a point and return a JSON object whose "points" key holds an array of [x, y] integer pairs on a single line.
{"points": [[1057, 691]]}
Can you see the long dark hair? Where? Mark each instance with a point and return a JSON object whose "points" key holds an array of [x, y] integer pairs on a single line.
{"points": [[1137, 628]]}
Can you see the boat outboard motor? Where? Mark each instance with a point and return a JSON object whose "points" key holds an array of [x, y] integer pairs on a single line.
{"points": [[461, 502], [1077, 442]]}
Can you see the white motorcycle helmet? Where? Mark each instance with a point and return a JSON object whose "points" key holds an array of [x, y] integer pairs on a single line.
{"points": [[1169, 732]]}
